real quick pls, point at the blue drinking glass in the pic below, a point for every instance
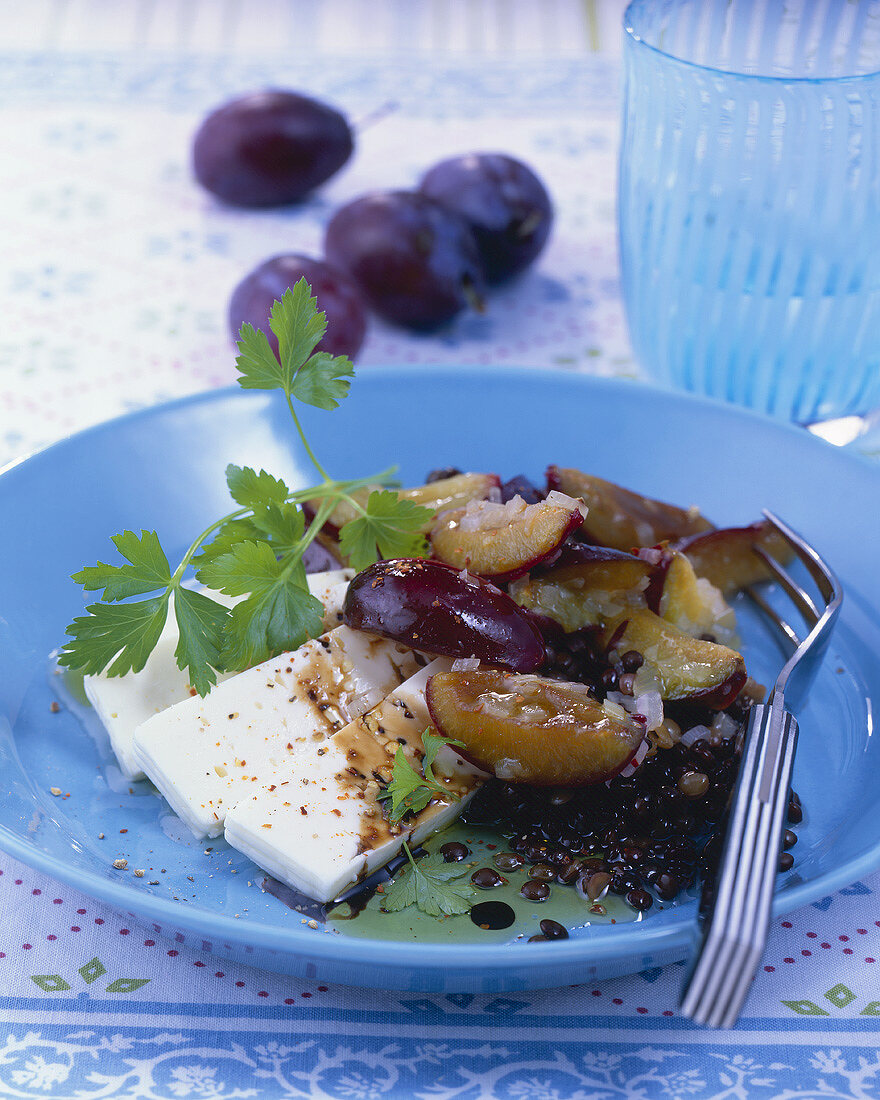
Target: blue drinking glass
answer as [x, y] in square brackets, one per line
[749, 200]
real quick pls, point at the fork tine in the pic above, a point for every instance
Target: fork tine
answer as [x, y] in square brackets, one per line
[825, 580]
[784, 627]
[798, 596]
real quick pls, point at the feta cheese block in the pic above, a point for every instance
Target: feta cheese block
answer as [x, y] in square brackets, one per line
[123, 702]
[206, 754]
[318, 825]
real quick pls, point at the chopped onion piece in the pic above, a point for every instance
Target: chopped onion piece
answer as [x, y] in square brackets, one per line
[647, 705]
[695, 733]
[465, 664]
[632, 766]
[562, 500]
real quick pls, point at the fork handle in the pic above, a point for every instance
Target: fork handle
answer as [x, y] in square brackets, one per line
[736, 908]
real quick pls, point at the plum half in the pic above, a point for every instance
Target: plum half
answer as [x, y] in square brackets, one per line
[439, 610]
[727, 558]
[623, 519]
[587, 586]
[503, 541]
[529, 729]
[693, 604]
[676, 664]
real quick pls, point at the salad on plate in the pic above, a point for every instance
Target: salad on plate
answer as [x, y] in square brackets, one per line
[332, 675]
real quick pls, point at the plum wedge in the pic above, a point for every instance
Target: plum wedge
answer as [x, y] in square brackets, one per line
[726, 556]
[679, 666]
[586, 587]
[528, 729]
[503, 541]
[439, 610]
[623, 519]
[691, 603]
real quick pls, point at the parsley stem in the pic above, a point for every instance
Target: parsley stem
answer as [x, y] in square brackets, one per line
[321, 516]
[197, 542]
[302, 435]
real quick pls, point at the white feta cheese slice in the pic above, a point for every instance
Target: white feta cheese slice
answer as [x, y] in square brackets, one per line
[206, 754]
[317, 825]
[123, 702]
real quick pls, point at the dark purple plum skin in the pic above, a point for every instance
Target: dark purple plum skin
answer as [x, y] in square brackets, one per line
[520, 485]
[415, 262]
[270, 148]
[337, 296]
[504, 202]
[431, 607]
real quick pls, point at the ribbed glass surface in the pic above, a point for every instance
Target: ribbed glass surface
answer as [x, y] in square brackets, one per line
[750, 200]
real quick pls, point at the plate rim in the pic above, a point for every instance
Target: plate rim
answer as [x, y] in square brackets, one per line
[596, 943]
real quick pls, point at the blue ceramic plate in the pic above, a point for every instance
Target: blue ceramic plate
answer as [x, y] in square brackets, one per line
[163, 469]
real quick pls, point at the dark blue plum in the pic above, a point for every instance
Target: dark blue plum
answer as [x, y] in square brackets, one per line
[504, 202]
[337, 296]
[415, 262]
[270, 148]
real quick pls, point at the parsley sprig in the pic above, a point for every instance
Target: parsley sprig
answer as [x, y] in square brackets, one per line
[411, 792]
[254, 553]
[430, 887]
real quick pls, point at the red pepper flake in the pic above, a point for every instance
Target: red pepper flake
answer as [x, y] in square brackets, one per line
[304, 811]
[54, 707]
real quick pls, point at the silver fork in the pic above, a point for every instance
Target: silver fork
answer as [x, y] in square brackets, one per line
[735, 911]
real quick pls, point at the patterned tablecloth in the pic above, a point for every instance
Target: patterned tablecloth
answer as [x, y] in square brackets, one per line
[115, 270]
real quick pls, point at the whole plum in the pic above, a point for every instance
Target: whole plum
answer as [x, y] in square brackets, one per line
[415, 261]
[504, 202]
[337, 296]
[270, 148]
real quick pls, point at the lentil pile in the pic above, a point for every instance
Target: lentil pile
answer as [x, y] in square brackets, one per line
[646, 836]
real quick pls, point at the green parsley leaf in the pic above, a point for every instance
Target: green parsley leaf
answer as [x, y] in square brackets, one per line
[299, 326]
[200, 622]
[147, 570]
[282, 525]
[126, 631]
[428, 887]
[254, 490]
[246, 567]
[323, 380]
[230, 534]
[279, 614]
[257, 362]
[433, 743]
[410, 792]
[390, 528]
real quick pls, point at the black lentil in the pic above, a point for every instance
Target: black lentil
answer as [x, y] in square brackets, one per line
[507, 861]
[486, 878]
[533, 890]
[454, 852]
[542, 872]
[553, 930]
[640, 900]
